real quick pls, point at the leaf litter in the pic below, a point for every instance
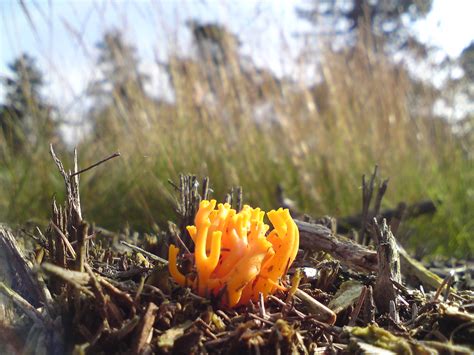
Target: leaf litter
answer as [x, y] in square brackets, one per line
[77, 288]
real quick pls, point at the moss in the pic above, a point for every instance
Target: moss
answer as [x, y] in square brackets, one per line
[382, 338]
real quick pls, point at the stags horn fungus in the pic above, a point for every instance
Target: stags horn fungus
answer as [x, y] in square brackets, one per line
[234, 256]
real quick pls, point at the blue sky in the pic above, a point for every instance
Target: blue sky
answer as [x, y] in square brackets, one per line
[62, 34]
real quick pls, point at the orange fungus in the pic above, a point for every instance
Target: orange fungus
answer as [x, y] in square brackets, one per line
[234, 256]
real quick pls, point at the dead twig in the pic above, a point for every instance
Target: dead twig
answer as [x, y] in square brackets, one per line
[367, 191]
[378, 199]
[261, 306]
[360, 302]
[66, 242]
[398, 217]
[74, 278]
[393, 312]
[345, 224]
[145, 327]
[318, 237]
[144, 252]
[316, 308]
[115, 155]
[446, 282]
[240, 199]
[173, 228]
[369, 307]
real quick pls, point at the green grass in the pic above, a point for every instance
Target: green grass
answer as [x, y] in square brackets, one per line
[318, 147]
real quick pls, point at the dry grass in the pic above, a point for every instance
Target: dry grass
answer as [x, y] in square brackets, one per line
[316, 142]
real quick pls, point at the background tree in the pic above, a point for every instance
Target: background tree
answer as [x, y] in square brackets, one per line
[467, 62]
[119, 66]
[25, 117]
[465, 86]
[372, 21]
[215, 43]
[119, 93]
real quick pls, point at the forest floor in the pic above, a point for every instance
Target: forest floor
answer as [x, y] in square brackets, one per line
[77, 288]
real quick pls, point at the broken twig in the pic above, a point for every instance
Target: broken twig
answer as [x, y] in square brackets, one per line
[144, 252]
[115, 155]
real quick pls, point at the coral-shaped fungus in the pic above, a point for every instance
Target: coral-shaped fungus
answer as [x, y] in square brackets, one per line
[234, 258]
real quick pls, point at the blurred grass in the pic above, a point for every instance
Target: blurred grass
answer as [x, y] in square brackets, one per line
[317, 144]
